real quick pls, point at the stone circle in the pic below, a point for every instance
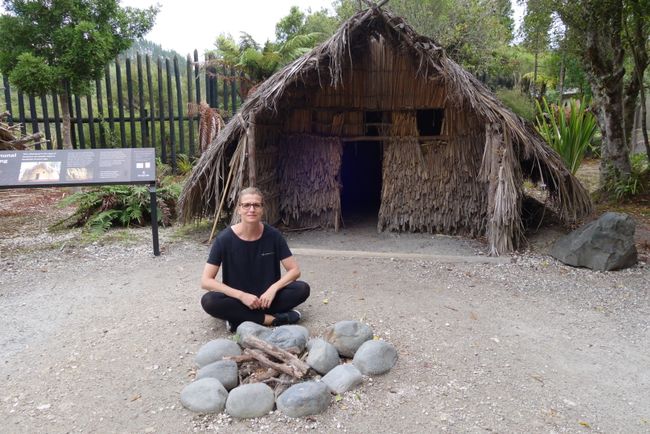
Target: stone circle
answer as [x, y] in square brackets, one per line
[209, 393]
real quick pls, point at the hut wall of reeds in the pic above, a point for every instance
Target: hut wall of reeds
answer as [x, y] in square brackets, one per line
[452, 157]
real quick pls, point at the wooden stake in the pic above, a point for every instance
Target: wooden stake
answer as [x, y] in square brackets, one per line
[223, 198]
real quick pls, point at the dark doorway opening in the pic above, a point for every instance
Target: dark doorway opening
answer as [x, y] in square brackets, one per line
[361, 182]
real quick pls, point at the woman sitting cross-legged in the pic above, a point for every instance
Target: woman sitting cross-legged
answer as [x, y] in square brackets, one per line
[249, 254]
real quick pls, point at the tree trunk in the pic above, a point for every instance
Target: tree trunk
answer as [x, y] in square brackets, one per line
[65, 111]
[561, 80]
[615, 159]
[637, 35]
[631, 94]
[644, 124]
[604, 56]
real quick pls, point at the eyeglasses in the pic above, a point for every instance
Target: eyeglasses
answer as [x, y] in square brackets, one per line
[254, 205]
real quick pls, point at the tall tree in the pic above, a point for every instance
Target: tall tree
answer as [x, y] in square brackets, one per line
[61, 45]
[535, 31]
[636, 38]
[599, 24]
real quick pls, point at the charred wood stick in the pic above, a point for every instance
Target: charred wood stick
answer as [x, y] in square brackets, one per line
[240, 359]
[278, 381]
[264, 361]
[277, 352]
[270, 374]
[283, 384]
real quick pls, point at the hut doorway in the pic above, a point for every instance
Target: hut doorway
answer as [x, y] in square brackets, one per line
[361, 182]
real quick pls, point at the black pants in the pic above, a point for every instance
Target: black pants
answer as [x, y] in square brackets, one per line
[223, 307]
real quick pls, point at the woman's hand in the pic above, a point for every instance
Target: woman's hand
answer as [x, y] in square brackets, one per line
[267, 298]
[251, 301]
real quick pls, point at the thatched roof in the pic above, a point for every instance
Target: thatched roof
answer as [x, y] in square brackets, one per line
[325, 66]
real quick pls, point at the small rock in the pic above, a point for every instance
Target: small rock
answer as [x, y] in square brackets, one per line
[304, 399]
[342, 378]
[223, 370]
[347, 336]
[323, 357]
[375, 357]
[250, 400]
[216, 350]
[206, 395]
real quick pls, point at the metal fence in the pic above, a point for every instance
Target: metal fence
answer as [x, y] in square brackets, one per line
[139, 102]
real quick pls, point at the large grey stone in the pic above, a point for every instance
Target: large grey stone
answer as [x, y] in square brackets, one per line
[347, 336]
[289, 336]
[223, 370]
[250, 400]
[216, 350]
[343, 378]
[206, 395]
[303, 399]
[375, 357]
[322, 356]
[251, 328]
[604, 244]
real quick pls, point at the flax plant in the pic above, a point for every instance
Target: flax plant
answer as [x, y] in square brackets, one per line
[568, 130]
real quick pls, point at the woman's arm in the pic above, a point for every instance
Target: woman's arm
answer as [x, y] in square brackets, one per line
[292, 274]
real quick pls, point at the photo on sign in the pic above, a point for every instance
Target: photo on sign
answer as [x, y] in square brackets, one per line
[39, 172]
[78, 173]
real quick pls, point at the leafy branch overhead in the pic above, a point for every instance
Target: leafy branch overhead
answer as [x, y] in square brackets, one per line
[61, 45]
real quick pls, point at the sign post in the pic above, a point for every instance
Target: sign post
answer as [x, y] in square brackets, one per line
[82, 167]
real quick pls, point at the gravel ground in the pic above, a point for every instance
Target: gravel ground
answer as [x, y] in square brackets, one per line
[100, 337]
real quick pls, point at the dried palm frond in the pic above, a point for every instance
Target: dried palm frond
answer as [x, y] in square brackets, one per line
[210, 123]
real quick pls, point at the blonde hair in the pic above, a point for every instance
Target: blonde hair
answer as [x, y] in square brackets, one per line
[250, 190]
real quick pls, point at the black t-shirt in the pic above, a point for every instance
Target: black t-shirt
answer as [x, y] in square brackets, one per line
[250, 266]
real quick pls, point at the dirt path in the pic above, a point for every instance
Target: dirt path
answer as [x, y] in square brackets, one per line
[101, 337]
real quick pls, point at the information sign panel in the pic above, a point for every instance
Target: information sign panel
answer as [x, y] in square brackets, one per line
[77, 167]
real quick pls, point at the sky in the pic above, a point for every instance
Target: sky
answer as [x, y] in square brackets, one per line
[185, 25]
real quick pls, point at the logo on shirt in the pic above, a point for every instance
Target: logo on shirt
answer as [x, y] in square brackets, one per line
[267, 254]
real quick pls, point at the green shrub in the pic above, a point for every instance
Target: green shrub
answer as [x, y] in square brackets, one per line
[638, 181]
[568, 130]
[517, 102]
[183, 164]
[100, 208]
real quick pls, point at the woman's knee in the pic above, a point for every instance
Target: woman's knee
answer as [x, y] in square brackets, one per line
[211, 302]
[303, 289]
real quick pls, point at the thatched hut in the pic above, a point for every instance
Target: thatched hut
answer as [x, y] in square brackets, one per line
[379, 116]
